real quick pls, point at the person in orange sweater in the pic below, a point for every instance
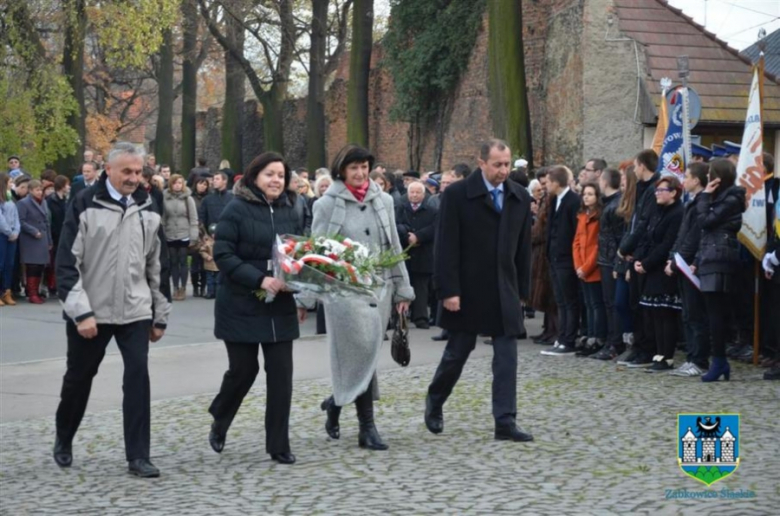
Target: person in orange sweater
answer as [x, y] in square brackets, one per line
[585, 251]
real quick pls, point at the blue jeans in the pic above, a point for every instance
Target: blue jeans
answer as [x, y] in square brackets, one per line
[623, 304]
[594, 305]
[7, 257]
[211, 282]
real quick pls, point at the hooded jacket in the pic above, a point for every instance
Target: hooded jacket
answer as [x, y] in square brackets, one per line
[180, 218]
[108, 260]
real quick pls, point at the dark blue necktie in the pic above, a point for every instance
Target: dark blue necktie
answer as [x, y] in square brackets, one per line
[495, 193]
[123, 202]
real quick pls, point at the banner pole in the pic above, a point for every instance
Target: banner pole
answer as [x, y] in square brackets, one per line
[756, 315]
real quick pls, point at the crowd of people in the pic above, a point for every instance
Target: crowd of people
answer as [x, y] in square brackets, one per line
[624, 264]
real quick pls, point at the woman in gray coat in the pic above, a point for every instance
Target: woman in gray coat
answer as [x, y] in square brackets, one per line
[35, 240]
[180, 221]
[356, 208]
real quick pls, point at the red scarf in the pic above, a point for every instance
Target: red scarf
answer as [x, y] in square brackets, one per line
[359, 192]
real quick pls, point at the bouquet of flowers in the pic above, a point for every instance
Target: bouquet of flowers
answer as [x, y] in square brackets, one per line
[329, 266]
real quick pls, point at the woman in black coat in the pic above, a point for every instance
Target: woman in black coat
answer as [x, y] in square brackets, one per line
[717, 262]
[261, 209]
[661, 299]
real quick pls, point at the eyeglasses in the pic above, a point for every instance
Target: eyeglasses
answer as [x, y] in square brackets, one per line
[664, 190]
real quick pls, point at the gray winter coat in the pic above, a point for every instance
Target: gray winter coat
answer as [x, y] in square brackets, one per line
[180, 220]
[356, 326]
[34, 219]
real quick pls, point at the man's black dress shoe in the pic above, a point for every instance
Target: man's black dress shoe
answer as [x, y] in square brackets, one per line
[142, 468]
[63, 453]
[216, 440]
[422, 324]
[512, 433]
[283, 458]
[434, 419]
[441, 337]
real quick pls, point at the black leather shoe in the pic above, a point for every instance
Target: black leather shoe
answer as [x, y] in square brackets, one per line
[441, 337]
[512, 433]
[434, 419]
[216, 440]
[63, 453]
[283, 458]
[332, 422]
[369, 438]
[522, 336]
[422, 324]
[142, 468]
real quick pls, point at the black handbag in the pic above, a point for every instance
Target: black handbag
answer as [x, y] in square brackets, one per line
[400, 345]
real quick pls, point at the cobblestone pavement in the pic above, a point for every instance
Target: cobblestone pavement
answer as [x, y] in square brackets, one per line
[605, 444]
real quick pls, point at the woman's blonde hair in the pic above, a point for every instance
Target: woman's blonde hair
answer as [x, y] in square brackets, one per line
[172, 181]
[319, 182]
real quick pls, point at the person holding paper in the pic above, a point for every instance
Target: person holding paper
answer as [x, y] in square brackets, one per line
[695, 323]
[717, 262]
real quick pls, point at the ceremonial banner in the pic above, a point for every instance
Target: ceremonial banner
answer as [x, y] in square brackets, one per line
[750, 175]
[672, 157]
[663, 123]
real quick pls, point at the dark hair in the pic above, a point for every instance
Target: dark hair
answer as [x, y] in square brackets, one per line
[48, 175]
[494, 143]
[147, 173]
[519, 176]
[390, 179]
[628, 199]
[3, 187]
[673, 183]
[724, 170]
[598, 164]
[221, 174]
[699, 170]
[559, 174]
[60, 182]
[164, 166]
[347, 155]
[260, 163]
[769, 163]
[462, 170]
[378, 175]
[611, 177]
[599, 204]
[648, 158]
[202, 162]
[541, 172]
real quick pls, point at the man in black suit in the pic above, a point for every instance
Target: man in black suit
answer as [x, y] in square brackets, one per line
[416, 222]
[562, 226]
[89, 177]
[482, 271]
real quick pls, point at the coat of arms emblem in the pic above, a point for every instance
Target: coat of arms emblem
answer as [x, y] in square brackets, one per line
[708, 445]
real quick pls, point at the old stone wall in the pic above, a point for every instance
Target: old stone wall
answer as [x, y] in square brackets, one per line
[611, 127]
[581, 88]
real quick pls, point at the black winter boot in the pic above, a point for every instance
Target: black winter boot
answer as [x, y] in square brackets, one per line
[368, 437]
[196, 292]
[332, 422]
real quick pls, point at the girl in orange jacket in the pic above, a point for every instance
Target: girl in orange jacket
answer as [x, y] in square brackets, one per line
[585, 251]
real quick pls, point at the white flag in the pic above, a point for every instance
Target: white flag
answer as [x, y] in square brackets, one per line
[750, 176]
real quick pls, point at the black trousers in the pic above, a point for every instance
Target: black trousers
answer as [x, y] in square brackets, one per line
[661, 329]
[695, 324]
[636, 285]
[84, 357]
[420, 283]
[242, 371]
[566, 291]
[719, 306]
[608, 285]
[457, 351]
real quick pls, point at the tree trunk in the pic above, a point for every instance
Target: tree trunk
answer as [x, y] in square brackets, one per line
[73, 68]
[359, 68]
[189, 85]
[315, 108]
[508, 92]
[163, 140]
[235, 90]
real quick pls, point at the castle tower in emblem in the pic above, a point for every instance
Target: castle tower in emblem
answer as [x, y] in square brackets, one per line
[727, 446]
[709, 446]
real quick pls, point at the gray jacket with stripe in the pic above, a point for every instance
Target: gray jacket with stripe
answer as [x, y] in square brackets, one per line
[108, 260]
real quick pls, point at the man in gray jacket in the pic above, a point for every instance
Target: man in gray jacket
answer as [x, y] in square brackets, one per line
[108, 280]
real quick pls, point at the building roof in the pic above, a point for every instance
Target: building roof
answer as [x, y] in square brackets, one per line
[771, 53]
[689, 435]
[718, 73]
